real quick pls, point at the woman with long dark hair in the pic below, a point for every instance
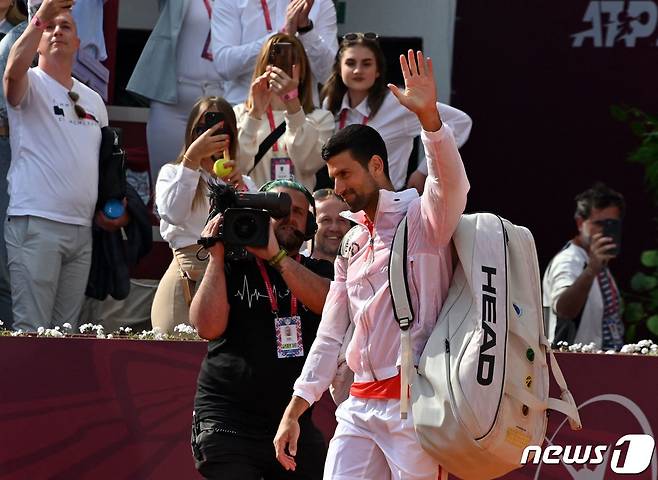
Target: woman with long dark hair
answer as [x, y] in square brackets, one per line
[278, 97]
[181, 198]
[357, 92]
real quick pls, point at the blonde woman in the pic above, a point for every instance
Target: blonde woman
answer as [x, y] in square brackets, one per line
[181, 196]
[275, 97]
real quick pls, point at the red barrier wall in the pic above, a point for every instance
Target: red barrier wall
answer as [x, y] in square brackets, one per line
[95, 409]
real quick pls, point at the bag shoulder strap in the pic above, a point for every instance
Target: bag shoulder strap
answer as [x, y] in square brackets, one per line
[397, 277]
[402, 310]
[267, 143]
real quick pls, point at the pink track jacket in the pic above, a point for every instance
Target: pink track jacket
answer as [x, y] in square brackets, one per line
[360, 288]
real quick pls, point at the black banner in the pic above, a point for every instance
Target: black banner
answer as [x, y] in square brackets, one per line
[539, 78]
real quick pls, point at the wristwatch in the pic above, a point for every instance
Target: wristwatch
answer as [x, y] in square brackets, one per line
[37, 23]
[307, 28]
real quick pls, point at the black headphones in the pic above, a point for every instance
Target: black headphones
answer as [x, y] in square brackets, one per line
[311, 224]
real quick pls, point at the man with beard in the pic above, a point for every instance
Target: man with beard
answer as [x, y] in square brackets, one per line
[581, 299]
[373, 439]
[260, 316]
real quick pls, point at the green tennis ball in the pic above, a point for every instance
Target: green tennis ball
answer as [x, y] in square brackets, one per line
[220, 169]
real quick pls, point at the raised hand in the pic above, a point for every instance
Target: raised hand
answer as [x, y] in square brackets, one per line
[234, 178]
[280, 82]
[292, 16]
[49, 9]
[206, 145]
[302, 18]
[599, 249]
[419, 94]
[261, 95]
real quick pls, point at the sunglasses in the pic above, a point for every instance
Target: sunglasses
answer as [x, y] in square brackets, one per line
[79, 110]
[350, 37]
[325, 193]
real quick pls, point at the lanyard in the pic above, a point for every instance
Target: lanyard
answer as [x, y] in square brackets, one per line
[614, 293]
[208, 7]
[266, 14]
[343, 119]
[207, 53]
[270, 291]
[270, 118]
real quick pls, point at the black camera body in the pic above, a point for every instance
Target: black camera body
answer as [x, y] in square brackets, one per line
[245, 227]
[247, 216]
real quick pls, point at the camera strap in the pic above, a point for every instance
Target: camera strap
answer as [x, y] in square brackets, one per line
[267, 143]
[270, 291]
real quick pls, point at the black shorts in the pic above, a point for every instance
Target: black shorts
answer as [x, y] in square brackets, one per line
[228, 456]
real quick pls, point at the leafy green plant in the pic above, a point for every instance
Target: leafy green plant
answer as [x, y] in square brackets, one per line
[642, 302]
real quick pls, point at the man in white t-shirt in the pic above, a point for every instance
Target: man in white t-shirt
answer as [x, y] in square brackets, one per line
[581, 298]
[240, 27]
[55, 134]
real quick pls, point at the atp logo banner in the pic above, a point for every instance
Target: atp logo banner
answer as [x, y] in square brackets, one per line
[619, 23]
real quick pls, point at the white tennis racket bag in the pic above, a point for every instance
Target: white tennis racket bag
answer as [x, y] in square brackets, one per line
[480, 394]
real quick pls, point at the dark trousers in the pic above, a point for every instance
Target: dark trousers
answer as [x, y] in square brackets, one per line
[228, 456]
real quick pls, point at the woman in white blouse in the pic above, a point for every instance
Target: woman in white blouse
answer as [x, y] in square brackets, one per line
[357, 92]
[276, 97]
[181, 197]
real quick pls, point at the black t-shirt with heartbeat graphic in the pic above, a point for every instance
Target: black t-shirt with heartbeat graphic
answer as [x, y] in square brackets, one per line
[242, 383]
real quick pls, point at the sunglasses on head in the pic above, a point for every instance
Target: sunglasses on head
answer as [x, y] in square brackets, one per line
[324, 193]
[350, 37]
[79, 110]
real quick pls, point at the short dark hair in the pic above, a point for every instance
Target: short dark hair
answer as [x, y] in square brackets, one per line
[361, 141]
[598, 196]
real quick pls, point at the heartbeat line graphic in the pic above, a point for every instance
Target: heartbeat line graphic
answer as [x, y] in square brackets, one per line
[253, 297]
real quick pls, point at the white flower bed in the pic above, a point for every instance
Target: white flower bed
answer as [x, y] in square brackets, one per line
[181, 332]
[643, 347]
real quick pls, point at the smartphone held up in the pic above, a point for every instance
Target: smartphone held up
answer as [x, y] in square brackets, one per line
[282, 55]
[612, 228]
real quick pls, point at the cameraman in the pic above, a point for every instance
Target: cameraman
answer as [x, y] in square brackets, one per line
[248, 309]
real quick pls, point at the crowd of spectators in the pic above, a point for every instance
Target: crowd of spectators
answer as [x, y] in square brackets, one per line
[209, 59]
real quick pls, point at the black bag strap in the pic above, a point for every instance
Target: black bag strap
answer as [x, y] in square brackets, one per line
[267, 143]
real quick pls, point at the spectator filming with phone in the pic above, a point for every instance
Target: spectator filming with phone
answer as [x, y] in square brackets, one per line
[240, 28]
[581, 299]
[55, 126]
[280, 131]
[181, 197]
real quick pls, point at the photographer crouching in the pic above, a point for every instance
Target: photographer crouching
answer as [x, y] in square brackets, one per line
[260, 313]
